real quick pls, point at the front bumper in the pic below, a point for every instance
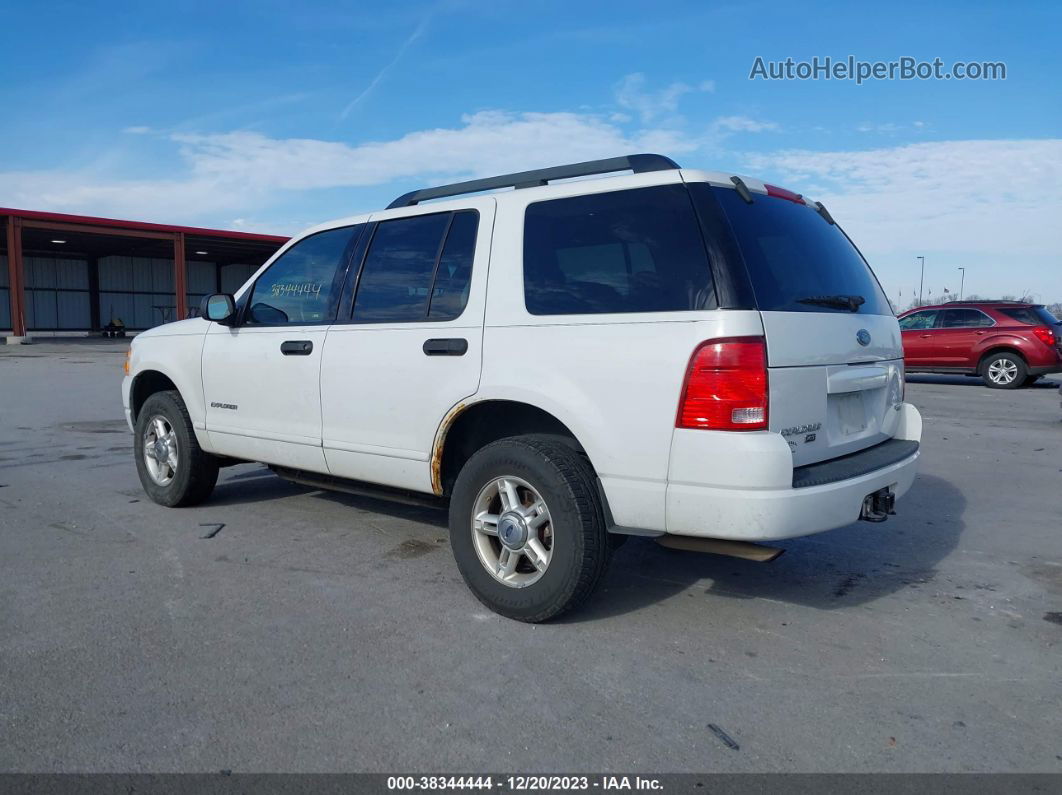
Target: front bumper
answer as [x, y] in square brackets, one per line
[750, 495]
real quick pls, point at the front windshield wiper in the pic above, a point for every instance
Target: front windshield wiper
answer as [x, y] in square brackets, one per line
[849, 302]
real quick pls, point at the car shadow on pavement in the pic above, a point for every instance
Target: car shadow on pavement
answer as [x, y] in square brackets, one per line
[260, 485]
[849, 566]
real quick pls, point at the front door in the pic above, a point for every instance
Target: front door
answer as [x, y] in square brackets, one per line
[261, 378]
[411, 349]
[919, 344]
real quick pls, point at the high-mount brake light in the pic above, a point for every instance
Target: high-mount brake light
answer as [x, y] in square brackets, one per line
[782, 193]
[726, 386]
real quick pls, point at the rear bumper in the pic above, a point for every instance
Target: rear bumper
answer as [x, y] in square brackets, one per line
[753, 497]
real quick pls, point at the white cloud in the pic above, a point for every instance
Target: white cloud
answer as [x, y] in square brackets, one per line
[992, 203]
[990, 195]
[734, 124]
[136, 129]
[237, 173]
[631, 93]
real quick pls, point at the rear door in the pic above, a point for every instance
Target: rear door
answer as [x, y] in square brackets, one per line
[960, 332]
[411, 349]
[918, 331]
[834, 354]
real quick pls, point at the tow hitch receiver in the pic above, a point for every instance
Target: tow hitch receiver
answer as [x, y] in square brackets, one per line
[879, 506]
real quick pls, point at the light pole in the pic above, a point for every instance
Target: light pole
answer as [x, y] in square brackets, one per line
[962, 281]
[921, 279]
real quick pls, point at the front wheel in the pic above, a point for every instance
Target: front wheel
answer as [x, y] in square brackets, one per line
[527, 528]
[173, 469]
[1004, 371]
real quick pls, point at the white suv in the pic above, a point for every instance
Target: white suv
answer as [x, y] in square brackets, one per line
[673, 353]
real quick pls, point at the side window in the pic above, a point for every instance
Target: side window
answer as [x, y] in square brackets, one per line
[454, 274]
[417, 269]
[919, 321]
[965, 318]
[300, 287]
[636, 250]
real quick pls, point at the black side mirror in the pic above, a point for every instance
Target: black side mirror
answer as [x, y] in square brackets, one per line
[219, 308]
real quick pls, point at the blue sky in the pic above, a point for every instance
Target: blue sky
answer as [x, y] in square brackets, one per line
[272, 116]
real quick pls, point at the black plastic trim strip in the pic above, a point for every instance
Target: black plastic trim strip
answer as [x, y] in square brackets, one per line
[855, 464]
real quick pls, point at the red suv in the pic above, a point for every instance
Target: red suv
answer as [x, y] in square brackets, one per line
[1008, 343]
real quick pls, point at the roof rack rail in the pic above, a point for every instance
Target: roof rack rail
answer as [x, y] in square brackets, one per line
[531, 179]
[991, 301]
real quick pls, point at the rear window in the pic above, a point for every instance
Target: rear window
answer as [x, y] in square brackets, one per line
[634, 250]
[793, 254]
[965, 318]
[1029, 315]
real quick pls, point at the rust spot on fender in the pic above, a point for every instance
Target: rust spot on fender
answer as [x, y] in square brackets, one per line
[437, 452]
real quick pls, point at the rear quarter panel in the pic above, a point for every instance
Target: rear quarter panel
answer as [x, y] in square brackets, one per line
[613, 379]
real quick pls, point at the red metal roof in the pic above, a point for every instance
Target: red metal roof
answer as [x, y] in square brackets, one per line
[90, 220]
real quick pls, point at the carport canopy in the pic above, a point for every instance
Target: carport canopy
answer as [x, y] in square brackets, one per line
[65, 272]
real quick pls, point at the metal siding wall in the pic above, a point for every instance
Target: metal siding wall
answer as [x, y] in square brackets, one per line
[115, 306]
[233, 277]
[48, 306]
[146, 282]
[73, 310]
[202, 281]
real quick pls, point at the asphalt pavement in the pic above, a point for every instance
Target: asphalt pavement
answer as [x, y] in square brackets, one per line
[323, 632]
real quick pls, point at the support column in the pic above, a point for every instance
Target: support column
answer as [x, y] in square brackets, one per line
[180, 276]
[94, 293]
[16, 280]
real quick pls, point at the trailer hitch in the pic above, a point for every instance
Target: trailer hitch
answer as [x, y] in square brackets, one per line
[879, 506]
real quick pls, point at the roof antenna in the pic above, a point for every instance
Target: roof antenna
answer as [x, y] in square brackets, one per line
[742, 189]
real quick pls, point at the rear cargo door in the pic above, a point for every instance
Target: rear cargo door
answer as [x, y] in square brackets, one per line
[834, 351]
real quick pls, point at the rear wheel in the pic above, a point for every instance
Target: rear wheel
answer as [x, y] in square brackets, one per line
[1004, 371]
[174, 470]
[527, 528]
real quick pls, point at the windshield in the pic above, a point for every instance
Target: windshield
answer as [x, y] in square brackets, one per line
[797, 261]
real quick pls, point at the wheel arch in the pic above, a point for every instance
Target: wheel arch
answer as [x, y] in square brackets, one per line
[470, 425]
[997, 349]
[145, 384]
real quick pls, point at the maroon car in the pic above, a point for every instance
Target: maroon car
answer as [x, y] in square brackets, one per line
[1008, 343]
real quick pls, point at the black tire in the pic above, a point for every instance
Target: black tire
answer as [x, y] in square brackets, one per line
[1003, 362]
[581, 547]
[196, 472]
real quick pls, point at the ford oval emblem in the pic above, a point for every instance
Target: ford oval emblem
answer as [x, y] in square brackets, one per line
[863, 337]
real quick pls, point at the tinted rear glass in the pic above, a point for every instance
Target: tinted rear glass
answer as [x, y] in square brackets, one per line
[634, 250]
[792, 253]
[965, 318]
[1029, 315]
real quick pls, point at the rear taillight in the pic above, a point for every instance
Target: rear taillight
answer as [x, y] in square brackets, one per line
[1045, 335]
[726, 386]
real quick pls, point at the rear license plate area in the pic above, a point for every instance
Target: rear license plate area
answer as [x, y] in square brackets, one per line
[851, 414]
